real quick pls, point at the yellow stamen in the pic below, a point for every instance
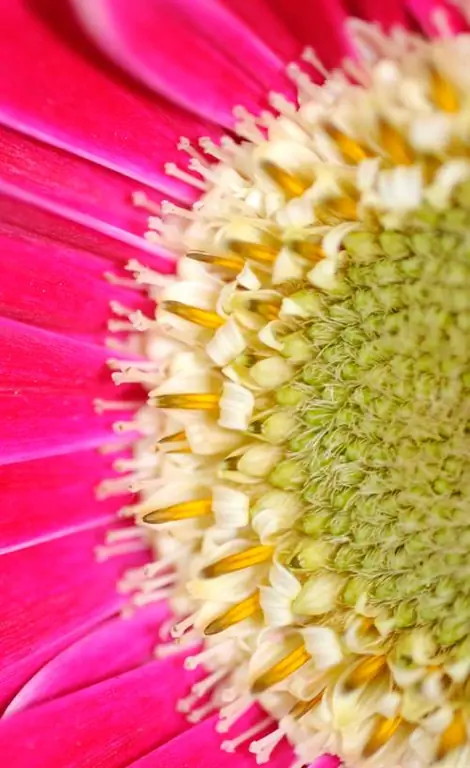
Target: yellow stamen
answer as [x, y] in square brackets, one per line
[302, 707]
[454, 736]
[204, 401]
[351, 150]
[443, 93]
[308, 250]
[183, 511]
[282, 669]
[245, 559]
[176, 437]
[265, 253]
[344, 208]
[225, 261]
[292, 185]
[366, 671]
[383, 732]
[175, 443]
[202, 317]
[395, 145]
[234, 615]
[267, 309]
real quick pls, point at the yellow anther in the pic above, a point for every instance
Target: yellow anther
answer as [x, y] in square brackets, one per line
[218, 260]
[454, 736]
[202, 317]
[268, 309]
[395, 144]
[366, 671]
[175, 443]
[204, 401]
[308, 250]
[302, 707]
[444, 95]
[384, 729]
[184, 511]
[282, 669]
[343, 208]
[293, 185]
[252, 556]
[351, 150]
[239, 612]
[263, 252]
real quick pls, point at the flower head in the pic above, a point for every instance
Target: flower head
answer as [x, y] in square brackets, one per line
[301, 460]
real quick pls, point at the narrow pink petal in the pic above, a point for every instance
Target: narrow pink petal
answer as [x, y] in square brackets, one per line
[70, 99]
[426, 13]
[108, 725]
[61, 177]
[319, 24]
[50, 592]
[202, 57]
[115, 646]
[62, 284]
[389, 14]
[261, 17]
[46, 498]
[201, 748]
[55, 220]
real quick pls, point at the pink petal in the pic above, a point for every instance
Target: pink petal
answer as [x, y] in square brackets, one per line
[261, 17]
[27, 211]
[62, 284]
[319, 24]
[64, 179]
[48, 383]
[70, 99]
[426, 12]
[388, 14]
[116, 646]
[47, 498]
[51, 593]
[107, 725]
[200, 747]
[202, 57]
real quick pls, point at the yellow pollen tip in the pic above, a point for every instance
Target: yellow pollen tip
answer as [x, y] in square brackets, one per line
[202, 317]
[282, 669]
[351, 150]
[302, 707]
[175, 443]
[239, 561]
[443, 93]
[454, 736]
[366, 671]
[183, 511]
[395, 145]
[204, 401]
[291, 184]
[255, 251]
[267, 309]
[225, 262]
[310, 251]
[384, 730]
[343, 208]
[234, 615]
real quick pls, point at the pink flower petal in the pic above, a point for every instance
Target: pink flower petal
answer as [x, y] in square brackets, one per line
[427, 13]
[54, 220]
[47, 498]
[51, 593]
[115, 646]
[201, 748]
[319, 24]
[388, 14]
[58, 90]
[202, 57]
[107, 725]
[62, 178]
[62, 284]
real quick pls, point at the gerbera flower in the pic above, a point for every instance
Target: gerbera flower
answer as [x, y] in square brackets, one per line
[301, 462]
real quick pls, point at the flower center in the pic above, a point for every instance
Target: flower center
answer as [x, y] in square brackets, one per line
[312, 474]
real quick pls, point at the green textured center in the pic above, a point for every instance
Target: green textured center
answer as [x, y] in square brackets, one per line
[382, 448]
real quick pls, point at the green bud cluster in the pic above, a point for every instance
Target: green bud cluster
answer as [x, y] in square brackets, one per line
[381, 451]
